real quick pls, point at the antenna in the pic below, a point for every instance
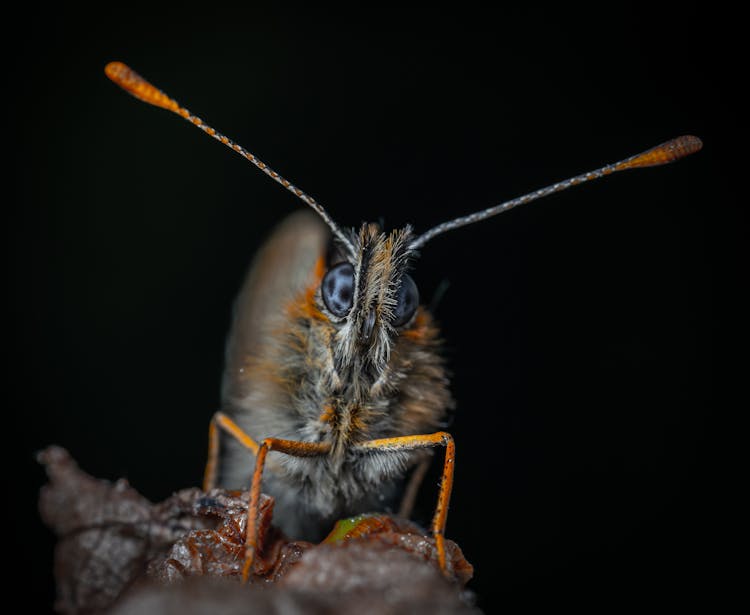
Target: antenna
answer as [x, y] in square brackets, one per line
[665, 153]
[134, 84]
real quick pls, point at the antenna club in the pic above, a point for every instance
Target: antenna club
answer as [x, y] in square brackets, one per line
[134, 84]
[670, 151]
[665, 153]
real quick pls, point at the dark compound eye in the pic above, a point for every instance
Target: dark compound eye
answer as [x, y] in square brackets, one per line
[338, 289]
[408, 300]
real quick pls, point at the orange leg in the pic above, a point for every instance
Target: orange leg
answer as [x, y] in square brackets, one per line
[224, 422]
[290, 447]
[410, 443]
[314, 449]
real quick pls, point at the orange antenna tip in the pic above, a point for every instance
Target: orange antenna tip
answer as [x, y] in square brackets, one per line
[665, 153]
[134, 84]
[671, 151]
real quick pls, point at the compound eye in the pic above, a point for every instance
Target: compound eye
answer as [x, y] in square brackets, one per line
[408, 300]
[338, 289]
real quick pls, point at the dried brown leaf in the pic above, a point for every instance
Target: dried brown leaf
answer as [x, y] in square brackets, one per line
[116, 548]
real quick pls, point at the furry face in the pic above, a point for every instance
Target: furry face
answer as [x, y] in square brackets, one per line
[362, 345]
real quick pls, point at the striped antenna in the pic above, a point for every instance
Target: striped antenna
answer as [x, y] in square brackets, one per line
[134, 84]
[661, 154]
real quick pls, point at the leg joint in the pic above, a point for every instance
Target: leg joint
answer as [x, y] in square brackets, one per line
[445, 438]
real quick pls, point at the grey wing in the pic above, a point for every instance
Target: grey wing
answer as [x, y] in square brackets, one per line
[281, 270]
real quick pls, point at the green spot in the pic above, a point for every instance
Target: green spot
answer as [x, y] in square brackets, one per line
[343, 527]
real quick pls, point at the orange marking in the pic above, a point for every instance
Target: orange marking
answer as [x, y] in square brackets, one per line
[327, 415]
[359, 423]
[419, 331]
[307, 307]
[320, 269]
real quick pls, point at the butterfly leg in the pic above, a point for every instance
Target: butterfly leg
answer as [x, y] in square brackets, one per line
[222, 421]
[290, 447]
[412, 488]
[410, 443]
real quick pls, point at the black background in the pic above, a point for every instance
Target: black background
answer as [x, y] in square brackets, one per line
[586, 332]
